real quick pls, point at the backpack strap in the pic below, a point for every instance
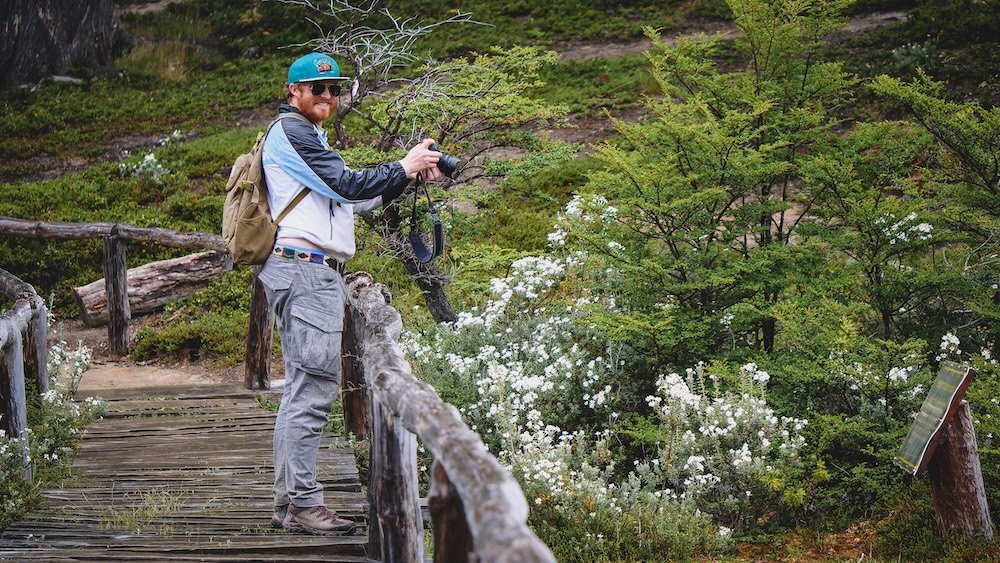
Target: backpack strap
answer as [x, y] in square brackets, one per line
[295, 201]
[305, 190]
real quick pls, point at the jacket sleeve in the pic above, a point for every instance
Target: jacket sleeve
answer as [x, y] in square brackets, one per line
[366, 207]
[298, 149]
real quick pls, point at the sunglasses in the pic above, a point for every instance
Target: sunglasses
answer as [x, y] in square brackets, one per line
[318, 89]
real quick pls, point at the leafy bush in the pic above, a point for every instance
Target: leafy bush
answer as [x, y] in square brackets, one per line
[211, 323]
[55, 423]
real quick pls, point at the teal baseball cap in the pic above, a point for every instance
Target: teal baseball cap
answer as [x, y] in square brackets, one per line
[313, 67]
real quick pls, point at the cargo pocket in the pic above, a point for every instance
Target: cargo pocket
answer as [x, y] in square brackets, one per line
[316, 335]
[275, 275]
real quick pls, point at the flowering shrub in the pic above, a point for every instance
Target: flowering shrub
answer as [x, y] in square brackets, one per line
[526, 354]
[54, 424]
[543, 398]
[148, 168]
[728, 452]
[536, 379]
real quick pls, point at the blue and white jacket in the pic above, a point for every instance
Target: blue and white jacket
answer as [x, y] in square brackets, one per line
[297, 155]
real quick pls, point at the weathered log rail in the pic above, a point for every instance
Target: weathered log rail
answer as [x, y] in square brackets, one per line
[115, 236]
[478, 511]
[23, 357]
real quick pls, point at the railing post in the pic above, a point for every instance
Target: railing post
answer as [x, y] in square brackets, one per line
[36, 348]
[13, 403]
[116, 287]
[956, 477]
[396, 531]
[356, 394]
[258, 356]
[452, 537]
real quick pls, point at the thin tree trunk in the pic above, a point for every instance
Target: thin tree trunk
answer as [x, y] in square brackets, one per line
[428, 279]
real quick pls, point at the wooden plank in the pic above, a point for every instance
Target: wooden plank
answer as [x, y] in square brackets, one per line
[942, 400]
[169, 391]
[194, 476]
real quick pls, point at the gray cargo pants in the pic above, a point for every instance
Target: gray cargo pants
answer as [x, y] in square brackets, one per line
[308, 304]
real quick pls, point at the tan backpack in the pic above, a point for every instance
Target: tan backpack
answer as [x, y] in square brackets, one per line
[247, 228]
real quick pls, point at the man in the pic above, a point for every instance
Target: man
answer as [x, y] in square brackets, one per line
[302, 277]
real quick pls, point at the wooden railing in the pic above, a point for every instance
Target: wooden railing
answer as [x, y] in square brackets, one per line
[477, 509]
[23, 357]
[115, 236]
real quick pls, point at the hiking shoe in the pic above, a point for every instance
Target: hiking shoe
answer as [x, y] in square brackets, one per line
[278, 519]
[317, 520]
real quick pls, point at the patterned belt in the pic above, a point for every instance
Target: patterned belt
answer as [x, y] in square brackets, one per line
[313, 257]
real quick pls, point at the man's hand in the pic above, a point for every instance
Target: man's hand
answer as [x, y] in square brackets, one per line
[422, 160]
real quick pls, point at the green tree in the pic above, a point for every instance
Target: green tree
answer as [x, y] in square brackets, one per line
[709, 191]
[876, 215]
[965, 185]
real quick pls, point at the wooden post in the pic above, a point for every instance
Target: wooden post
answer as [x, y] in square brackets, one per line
[356, 393]
[116, 286]
[13, 404]
[452, 537]
[258, 357]
[396, 531]
[36, 348]
[957, 479]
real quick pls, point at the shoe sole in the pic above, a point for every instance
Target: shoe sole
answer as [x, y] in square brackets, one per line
[300, 529]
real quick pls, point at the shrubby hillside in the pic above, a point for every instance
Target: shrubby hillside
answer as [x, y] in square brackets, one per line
[700, 284]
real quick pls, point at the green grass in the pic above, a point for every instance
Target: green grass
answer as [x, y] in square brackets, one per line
[588, 87]
[85, 121]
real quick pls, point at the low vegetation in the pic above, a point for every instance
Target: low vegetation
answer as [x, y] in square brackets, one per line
[55, 421]
[703, 333]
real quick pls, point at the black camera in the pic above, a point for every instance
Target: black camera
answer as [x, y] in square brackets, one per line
[448, 163]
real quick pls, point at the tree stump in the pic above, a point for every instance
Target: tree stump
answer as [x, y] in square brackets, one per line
[957, 479]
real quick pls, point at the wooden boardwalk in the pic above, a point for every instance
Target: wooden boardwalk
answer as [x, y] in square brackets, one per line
[182, 475]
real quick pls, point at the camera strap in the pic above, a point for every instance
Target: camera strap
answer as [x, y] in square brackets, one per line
[420, 249]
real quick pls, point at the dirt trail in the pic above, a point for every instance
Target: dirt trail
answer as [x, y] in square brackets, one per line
[123, 373]
[578, 51]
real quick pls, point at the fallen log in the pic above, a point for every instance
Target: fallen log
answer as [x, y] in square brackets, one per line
[153, 285]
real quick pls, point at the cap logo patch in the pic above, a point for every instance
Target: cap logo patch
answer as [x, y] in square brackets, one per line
[323, 65]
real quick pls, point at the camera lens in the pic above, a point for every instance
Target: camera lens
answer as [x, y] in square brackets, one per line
[447, 164]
